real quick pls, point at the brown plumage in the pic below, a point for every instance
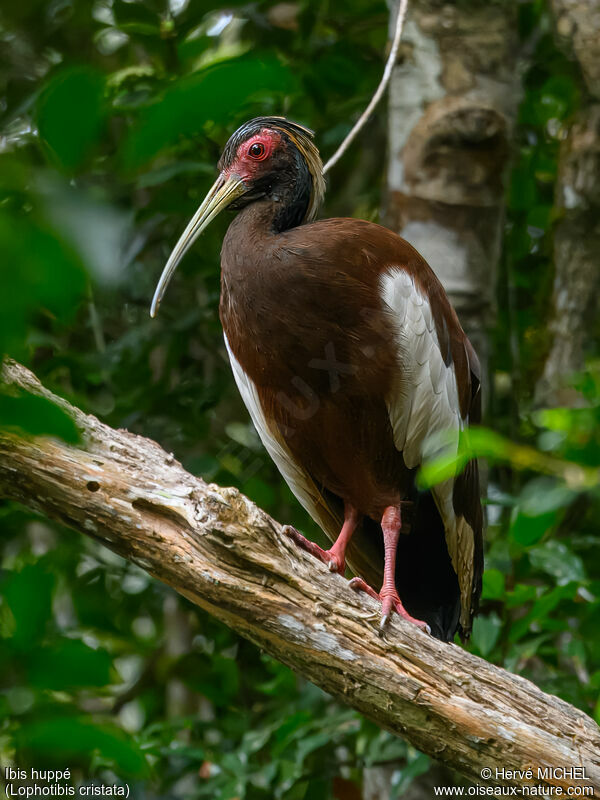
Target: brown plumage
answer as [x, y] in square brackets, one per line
[348, 355]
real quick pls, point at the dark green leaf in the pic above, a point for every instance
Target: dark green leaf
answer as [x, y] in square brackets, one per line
[69, 664]
[526, 530]
[71, 115]
[486, 631]
[554, 558]
[493, 585]
[216, 94]
[36, 416]
[69, 739]
[28, 594]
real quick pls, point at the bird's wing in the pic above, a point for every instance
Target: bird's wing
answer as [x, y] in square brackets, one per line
[424, 400]
[299, 481]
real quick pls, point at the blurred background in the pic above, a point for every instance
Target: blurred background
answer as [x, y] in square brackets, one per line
[486, 156]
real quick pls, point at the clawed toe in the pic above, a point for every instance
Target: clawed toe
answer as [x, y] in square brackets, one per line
[393, 603]
[333, 562]
[390, 602]
[334, 559]
[360, 585]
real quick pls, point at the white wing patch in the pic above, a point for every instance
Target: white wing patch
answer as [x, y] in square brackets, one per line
[424, 400]
[296, 478]
[425, 397]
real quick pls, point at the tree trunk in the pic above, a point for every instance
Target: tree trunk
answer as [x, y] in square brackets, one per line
[575, 303]
[224, 554]
[453, 102]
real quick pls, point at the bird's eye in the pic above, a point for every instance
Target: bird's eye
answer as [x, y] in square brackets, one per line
[257, 150]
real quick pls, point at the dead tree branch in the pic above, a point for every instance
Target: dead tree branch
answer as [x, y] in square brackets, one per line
[230, 558]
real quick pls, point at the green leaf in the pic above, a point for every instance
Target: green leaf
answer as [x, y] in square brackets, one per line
[557, 99]
[556, 559]
[175, 169]
[310, 743]
[544, 495]
[417, 764]
[493, 585]
[215, 94]
[521, 594]
[42, 272]
[556, 419]
[539, 217]
[259, 491]
[78, 739]
[70, 115]
[523, 191]
[385, 747]
[539, 615]
[291, 728]
[69, 664]
[255, 740]
[36, 416]
[218, 680]
[28, 594]
[317, 789]
[127, 13]
[527, 530]
[95, 230]
[440, 468]
[549, 600]
[486, 631]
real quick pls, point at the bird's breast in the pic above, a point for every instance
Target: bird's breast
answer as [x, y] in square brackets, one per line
[321, 355]
[307, 330]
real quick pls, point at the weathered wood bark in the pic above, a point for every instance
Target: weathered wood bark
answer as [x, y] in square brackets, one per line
[223, 553]
[574, 327]
[453, 100]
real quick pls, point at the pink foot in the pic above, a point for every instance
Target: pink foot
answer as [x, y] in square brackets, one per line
[329, 557]
[390, 601]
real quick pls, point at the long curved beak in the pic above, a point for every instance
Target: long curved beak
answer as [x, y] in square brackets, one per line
[222, 193]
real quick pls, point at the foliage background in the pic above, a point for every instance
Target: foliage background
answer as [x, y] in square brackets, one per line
[113, 116]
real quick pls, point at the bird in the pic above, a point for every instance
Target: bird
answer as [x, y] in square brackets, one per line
[349, 358]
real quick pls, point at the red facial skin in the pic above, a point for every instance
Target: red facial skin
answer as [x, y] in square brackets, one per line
[248, 166]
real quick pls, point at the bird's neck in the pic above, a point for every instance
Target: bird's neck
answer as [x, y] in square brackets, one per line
[261, 221]
[290, 204]
[249, 234]
[257, 226]
[289, 197]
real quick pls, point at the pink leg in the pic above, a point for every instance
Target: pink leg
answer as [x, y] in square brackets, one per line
[335, 557]
[391, 523]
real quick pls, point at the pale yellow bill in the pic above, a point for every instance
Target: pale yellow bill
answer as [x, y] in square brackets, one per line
[223, 192]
